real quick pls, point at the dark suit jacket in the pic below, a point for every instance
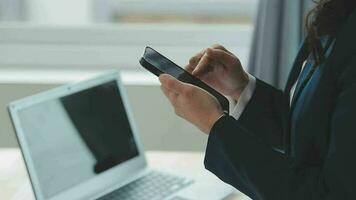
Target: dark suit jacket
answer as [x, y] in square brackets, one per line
[307, 151]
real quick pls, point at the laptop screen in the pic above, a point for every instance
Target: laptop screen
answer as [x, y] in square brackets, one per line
[76, 137]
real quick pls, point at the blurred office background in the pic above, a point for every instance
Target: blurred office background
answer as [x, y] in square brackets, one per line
[46, 43]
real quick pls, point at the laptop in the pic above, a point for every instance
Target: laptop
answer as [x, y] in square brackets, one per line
[80, 141]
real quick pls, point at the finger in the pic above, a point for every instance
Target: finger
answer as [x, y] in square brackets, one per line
[221, 56]
[189, 68]
[172, 97]
[218, 46]
[193, 62]
[171, 83]
[165, 91]
[195, 59]
[203, 66]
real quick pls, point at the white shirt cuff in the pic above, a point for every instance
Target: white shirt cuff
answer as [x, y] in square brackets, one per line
[237, 108]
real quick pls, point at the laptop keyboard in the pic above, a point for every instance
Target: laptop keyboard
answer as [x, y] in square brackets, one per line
[153, 186]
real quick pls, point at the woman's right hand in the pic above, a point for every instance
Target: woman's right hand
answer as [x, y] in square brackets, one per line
[220, 69]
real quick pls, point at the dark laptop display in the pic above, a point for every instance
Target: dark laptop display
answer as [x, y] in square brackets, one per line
[73, 138]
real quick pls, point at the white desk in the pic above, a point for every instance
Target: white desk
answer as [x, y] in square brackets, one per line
[15, 185]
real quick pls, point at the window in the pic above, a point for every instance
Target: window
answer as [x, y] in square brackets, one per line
[175, 11]
[102, 34]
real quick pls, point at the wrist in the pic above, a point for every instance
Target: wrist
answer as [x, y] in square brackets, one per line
[238, 91]
[213, 119]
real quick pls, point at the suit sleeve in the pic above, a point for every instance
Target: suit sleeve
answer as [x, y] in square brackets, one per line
[268, 108]
[239, 157]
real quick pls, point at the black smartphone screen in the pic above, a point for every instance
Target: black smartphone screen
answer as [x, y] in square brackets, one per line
[159, 64]
[162, 63]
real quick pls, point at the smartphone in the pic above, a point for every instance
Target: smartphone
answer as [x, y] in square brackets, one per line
[159, 64]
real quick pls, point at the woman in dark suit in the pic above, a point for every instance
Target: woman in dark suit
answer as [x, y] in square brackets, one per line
[299, 143]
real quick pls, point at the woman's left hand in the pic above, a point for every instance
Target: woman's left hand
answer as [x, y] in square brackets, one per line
[191, 103]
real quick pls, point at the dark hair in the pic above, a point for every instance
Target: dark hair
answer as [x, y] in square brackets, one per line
[326, 19]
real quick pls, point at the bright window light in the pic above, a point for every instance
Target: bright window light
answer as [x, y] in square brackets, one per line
[106, 34]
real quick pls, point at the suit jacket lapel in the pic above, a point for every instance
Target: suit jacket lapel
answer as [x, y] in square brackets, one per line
[308, 70]
[296, 68]
[293, 76]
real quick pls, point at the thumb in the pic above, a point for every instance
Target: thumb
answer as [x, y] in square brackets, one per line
[171, 83]
[221, 56]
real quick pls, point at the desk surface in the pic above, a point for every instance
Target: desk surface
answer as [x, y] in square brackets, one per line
[15, 185]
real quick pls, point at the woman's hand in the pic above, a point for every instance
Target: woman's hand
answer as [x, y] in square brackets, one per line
[191, 103]
[220, 69]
